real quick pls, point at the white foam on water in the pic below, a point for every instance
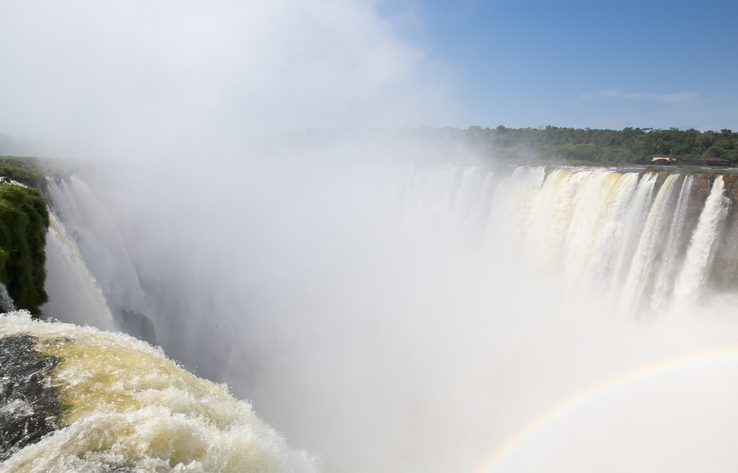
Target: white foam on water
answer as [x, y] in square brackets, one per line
[700, 253]
[125, 405]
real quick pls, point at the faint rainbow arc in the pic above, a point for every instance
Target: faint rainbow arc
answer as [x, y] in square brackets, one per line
[516, 442]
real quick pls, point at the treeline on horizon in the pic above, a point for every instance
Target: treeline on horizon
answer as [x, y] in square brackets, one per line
[597, 147]
[549, 145]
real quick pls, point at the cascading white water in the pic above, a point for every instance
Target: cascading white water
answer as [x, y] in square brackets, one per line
[6, 302]
[74, 295]
[96, 234]
[601, 228]
[648, 251]
[671, 256]
[701, 248]
[548, 219]
[129, 408]
[115, 287]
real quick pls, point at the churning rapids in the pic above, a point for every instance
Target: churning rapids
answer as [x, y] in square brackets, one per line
[409, 319]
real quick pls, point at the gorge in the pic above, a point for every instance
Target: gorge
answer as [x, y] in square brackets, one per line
[388, 316]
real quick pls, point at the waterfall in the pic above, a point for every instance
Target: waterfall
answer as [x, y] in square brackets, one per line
[96, 234]
[74, 295]
[602, 229]
[90, 238]
[671, 250]
[397, 318]
[700, 253]
[654, 234]
[6, 302]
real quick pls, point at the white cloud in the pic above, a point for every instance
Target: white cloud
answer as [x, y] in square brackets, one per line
[609, 93]
[176, 69]
[674, 99]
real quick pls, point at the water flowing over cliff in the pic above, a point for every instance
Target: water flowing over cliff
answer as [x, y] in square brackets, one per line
[72, 289]
[652, 237]
[126, 407]
[391, 318]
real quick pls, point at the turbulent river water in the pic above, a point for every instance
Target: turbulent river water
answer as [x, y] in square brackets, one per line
[388, 318]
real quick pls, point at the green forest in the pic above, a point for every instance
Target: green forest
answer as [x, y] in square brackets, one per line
[598, 147]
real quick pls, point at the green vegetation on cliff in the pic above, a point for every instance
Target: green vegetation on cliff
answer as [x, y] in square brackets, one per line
[24, 221]
[31, 172]
[598, 147]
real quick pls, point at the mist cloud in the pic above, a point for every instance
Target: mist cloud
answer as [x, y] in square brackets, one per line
[133, 76]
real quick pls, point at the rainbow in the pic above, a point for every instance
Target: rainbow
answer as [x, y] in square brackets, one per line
[559, 412]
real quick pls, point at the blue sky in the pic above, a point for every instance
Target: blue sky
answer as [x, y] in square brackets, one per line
[590, 64]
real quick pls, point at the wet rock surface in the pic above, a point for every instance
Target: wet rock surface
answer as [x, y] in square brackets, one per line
[29, 407]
